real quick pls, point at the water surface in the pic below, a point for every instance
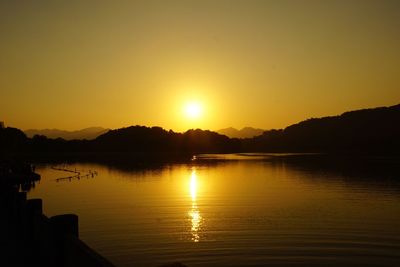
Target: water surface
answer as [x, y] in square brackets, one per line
[234, 210]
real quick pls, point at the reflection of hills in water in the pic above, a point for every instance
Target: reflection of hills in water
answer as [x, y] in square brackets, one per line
[367, 171]
[247, 156]
[370, 171]
[367, 165]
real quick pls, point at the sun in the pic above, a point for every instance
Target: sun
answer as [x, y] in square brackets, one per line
[193, 110]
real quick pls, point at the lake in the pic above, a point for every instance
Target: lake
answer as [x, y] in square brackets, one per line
[234, 210]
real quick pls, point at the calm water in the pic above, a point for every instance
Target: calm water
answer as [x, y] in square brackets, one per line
[235, 211]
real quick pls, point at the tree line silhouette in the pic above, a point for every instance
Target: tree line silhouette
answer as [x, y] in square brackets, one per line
[370, 130]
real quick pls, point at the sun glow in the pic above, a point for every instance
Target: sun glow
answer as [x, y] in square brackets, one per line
[193, 110]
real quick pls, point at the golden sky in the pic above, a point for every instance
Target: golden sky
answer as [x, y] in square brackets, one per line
[266, 64]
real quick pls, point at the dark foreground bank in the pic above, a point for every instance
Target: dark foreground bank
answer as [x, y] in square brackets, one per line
[29, 237]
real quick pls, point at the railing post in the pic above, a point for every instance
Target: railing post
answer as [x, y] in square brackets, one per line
[66, 224]
[63, 226]
[34, 210]
[20, 215]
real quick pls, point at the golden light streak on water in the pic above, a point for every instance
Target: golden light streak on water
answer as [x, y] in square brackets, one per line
[194, 212]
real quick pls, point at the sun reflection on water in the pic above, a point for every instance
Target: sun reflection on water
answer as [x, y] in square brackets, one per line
[194, 212]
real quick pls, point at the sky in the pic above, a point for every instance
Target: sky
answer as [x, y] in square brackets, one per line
[266, 64]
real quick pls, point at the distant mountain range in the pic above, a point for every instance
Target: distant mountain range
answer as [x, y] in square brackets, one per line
[87, 133]
[93, 132]
[246, 132]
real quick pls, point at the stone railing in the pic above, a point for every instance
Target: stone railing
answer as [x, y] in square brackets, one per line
[46, 241]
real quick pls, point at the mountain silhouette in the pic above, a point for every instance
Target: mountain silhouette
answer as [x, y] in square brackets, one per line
[87, 133]
[374, 130]
[246, 132]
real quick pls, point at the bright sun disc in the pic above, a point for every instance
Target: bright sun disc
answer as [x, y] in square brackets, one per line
[193, 110]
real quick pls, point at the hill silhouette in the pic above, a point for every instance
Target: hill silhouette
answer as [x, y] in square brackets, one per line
[156, 139]
[367, 130]
[87, 133]
[246, 132]
[363, 131]
[139, 140]
[12, 140]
